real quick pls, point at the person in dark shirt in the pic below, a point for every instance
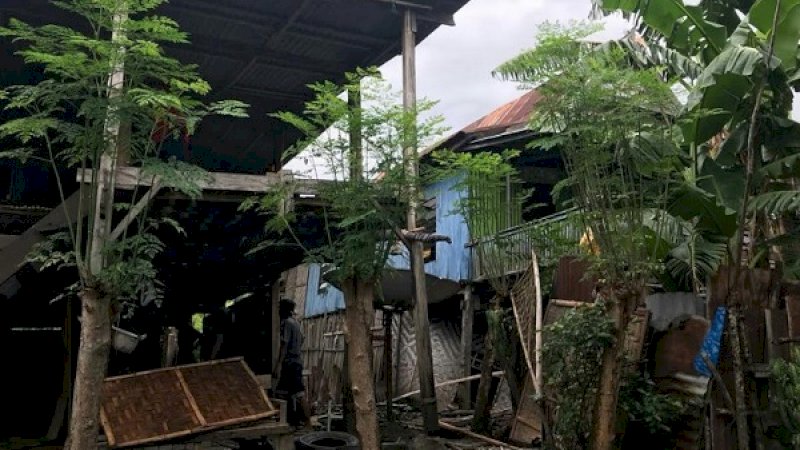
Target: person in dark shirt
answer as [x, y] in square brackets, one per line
[288, 370]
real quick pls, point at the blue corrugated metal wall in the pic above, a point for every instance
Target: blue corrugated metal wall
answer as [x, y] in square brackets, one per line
[321, 302]
[452, 260]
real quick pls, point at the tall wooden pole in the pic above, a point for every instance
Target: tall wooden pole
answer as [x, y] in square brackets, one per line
[467, 316]
[387, 361]
[421, 325]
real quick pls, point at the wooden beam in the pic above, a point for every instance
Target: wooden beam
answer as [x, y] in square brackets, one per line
[495, 374]
[127, 178]
[135, 211]
[13, 255]
[7, 239]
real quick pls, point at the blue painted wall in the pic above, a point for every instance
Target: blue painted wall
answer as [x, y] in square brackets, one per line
[452, 260]
[321, 302]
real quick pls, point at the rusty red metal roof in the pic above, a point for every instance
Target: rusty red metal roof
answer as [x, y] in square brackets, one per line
[516, 112]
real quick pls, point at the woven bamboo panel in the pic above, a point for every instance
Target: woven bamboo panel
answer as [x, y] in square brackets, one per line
[224, 392]
[168, 403]
[146, 406]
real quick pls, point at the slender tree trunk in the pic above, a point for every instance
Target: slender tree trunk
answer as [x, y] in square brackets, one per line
[483, 405]
[622, 303]
[92, 362]
[359, 317]
[605, 413]
[742, 426]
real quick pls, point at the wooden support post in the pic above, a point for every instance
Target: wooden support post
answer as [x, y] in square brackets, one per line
[170, 349]
[398, 350]
[538, 380]
[467, 318]
[275, 331]
[387, 354]
[421, 324]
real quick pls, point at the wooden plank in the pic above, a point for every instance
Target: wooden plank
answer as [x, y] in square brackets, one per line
[128, 178]
[275, 331]
[6, 240]
[135, 211]
[112, 441]
[526, 425]
[498, 373]
[13, 255]
[569, 303]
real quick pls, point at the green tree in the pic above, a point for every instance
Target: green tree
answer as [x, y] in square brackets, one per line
[736, 127]
[490, 202]
[107, 88]
[787, 381]
[613, 126]
[362, 185]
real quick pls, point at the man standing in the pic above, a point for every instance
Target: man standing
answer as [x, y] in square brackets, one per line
[288, 370]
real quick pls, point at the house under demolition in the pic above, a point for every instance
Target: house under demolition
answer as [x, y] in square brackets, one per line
[263, 53]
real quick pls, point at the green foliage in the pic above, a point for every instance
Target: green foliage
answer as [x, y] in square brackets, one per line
[657, 413]
[758, 56]
[484, 179]
[572, 353]
[615, 136]
[786, 375]
[490, 202]
[363, 183]
[71, 118]
[684, 27]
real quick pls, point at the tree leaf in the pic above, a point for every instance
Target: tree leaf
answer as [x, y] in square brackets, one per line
[698, 206]
[775, 202]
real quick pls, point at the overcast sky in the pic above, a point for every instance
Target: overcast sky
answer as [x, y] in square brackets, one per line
[454, 64]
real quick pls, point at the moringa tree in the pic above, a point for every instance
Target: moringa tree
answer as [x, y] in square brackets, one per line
[109, 92]
[363, 189]
[490, 202]
[613, 126]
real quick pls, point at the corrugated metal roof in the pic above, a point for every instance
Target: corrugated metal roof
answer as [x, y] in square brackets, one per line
[516, 112]
[509, 119]
[264, 53]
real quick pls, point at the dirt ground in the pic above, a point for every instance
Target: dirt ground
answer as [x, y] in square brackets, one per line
[406, 430]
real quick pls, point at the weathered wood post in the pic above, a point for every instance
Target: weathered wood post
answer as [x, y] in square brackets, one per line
[388, 313]
[467, 317]
[422, 330]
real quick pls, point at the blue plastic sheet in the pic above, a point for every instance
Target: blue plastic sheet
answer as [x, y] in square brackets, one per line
[711, 343]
